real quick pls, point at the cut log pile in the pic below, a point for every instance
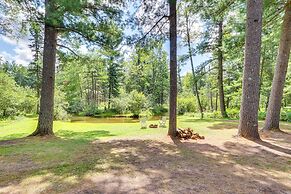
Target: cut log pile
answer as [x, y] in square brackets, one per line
[188, 133]
[153, 126]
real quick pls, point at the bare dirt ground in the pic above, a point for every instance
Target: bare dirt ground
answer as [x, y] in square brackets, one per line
[222, 164]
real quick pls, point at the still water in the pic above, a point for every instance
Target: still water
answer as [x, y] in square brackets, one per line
[79, 119]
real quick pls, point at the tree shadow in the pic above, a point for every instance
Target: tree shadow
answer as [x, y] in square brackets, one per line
[137, 166]
[224, 125]
[12, 137]
[198, 120]
[274, 147]
[88, 135]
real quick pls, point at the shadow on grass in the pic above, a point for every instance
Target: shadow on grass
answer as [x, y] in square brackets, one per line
[13, 137]
[197, 120]
[88, 135]
[285, 126]
[224, 125]
[137, 166]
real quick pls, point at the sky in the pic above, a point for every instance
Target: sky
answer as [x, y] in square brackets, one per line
[15, 50]
[19, 51]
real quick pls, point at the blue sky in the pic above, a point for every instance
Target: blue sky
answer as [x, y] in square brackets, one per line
[15, 50]
[197, 60]
[18, 51]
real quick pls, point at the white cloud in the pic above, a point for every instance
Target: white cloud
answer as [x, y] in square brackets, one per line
[21, 53]
[6, 56]
[83, 49]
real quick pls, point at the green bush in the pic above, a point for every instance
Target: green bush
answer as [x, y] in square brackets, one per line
[186, 104]
[27, 100]
[137, 102]
[159, 110]
[262, 115]
[233, 113]
[146, 113]
[285, 116]
[120, 104]
[60, 106]
[15, 100]
[215, 115]
[91, 110]
[288, 116]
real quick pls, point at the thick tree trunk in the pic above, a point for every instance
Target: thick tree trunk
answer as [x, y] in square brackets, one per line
[261, 75]
[220, 72]
[173, 69]
[46, 113]
[180, 79]
[195, 85]
[216, 101]
[211, 100]
[248, 125]
[274, 106]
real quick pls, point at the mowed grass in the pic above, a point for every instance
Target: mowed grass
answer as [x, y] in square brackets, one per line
[74, 140]
[91, 130]
[81, 148]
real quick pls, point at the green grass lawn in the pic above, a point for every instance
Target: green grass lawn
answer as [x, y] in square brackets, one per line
[73, 138]
[78, 148]
[90, 130]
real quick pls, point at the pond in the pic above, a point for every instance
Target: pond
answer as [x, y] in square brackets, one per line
[80, 119]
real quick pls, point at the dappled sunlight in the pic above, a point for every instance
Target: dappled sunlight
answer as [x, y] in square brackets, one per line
[104, 161]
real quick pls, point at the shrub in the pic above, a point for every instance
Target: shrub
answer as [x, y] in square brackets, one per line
[233, 113]
[60, 106]
[285, 116]
[262, 115]
[146, 113]
[91, 110]
[120, 104]
[215, 115]
[15, 100]
[186, 104]
[137, 102]
[27, 100]
[159, 110]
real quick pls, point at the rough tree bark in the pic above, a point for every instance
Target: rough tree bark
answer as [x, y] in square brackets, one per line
[220, 72]
[248, 125]
[275, 100]
[195, 86]
[45, 119]
[216, 101]
[173, 69]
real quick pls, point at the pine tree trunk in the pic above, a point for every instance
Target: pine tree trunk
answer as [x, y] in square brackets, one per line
[46, 113]
[261, 75]
[195, 86]
[173, 69]
[248, 125]
[220, 72]
[274, 106]
[216, 101]
[180, 79]
[211, 100]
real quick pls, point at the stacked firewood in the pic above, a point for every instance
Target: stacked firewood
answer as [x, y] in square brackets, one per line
[188, 133]
[153, 126]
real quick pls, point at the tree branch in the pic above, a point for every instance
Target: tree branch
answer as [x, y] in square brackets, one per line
[59, 45]
[153, 27]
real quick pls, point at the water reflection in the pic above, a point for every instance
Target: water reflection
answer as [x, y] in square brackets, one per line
[79, 119]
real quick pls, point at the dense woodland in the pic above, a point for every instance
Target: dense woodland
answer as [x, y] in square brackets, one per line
[125, 69]
[145, 96]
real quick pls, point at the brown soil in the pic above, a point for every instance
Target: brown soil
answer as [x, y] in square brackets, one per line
[215, 165]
